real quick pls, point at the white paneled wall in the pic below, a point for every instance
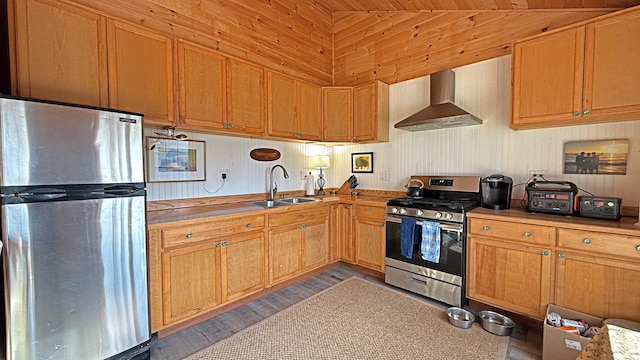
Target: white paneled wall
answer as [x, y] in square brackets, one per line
[484, 89]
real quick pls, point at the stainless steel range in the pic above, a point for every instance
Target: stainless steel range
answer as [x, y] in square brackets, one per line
[426, 238]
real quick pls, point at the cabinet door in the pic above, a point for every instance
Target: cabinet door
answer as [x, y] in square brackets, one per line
[315, 244]
[369, 239]
[511, 276]
[281, 106]
[547, 79]
[371, 112]
[309, 114]
[340, 223]
[337, 114]
[245, 98]
[285, 247]
[141, 72]
[190, 280]
[611, 69]
[242, 259]
[61, 53]
[202, 86]
[598, 286]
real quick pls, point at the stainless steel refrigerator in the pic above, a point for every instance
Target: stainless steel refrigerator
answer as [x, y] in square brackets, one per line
[73, 232]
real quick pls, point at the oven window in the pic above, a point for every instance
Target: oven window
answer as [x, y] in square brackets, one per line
[452, 248]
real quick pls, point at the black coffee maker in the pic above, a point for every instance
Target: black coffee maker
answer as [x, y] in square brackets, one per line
[496, 192]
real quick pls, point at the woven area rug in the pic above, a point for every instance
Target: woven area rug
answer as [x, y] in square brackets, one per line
[357, 319]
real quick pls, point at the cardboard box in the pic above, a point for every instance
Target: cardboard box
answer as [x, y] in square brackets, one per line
[561, 345]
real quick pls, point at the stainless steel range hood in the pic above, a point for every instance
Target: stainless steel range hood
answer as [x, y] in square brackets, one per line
[442, 113]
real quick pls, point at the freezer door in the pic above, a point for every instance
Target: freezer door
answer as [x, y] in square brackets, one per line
[44, 144]
[75, 278]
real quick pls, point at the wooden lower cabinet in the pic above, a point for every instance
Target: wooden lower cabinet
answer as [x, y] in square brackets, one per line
[298, 242]
[369, 232]
[242, 263]
[341, 225]
[512, 276]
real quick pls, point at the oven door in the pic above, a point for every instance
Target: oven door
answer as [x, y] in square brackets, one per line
[452, 246]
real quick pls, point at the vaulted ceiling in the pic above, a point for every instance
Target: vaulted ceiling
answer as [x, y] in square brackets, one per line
[470, 5]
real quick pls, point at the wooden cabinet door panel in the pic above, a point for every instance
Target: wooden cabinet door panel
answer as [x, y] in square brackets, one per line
[370, 248]
[337, 114]
[202, 87]
[309, 113]
[141, 72]
[547, 79]
[341, 239]
[513, 277]
[315, 245]
[285, 247]
[598, 286]
[245, 98]
[242, 270]
[281, 100]
[190, 279]
[61, 53]
[364, 103]
[612, 74]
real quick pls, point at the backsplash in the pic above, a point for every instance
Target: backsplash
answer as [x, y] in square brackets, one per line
[482, 88]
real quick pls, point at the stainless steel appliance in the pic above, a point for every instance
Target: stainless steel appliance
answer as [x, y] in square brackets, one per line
[446, 199]
[73, 227]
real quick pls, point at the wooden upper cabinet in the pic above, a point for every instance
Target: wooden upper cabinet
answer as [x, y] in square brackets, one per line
[337, 114]
[202, 87]
[245, 98]
[612, 74]
[547, 78]
[141, 72]
[61, 53]
[371, 112]
[294, 108]
[580, 75]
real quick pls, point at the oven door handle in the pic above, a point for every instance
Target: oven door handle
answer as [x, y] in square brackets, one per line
[447, 227]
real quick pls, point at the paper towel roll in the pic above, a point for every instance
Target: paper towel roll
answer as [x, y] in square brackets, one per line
[311, 188]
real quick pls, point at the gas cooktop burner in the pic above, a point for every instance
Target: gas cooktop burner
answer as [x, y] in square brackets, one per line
[435, 204]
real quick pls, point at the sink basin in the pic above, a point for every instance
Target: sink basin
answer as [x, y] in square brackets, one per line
[282, 202]
[296, 201]
[264, 203]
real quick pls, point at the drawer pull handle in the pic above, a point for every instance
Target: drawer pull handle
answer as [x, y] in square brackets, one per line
[545, 253]
[218, 244]
[418, 280]
[527, 234]
[485, 228]
[381, 224]
[349, 207]
[368, 209]
[587, 241]
[189, 235]
[576, 113]
[587, 112]
[638, 247]
[561, 255]
[249, 225]
[224, 243]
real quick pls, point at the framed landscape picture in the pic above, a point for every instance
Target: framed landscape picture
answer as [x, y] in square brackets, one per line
[596, 157]
[175, 160]
[362, 162]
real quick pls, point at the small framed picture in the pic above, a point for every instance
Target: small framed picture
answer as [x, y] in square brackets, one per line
[362, 162]
[607, 157]
[175, 160]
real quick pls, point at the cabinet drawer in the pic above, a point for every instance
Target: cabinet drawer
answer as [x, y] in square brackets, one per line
[298, 216]
[535, 234]
[603, 243]
[210, 230]
[370, 212]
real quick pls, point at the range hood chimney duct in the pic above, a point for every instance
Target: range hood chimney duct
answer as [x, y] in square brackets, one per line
[442, 113]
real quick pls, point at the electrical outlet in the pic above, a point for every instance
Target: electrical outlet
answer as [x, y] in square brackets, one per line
[384, 176]
[303, 174]
[537, 173]
[224, 176]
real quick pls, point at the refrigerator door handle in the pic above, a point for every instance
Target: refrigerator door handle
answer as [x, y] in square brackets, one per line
[40, 196]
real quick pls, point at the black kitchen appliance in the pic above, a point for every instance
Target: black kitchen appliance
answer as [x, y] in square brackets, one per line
[496, 192]
[552, 197]
[599, 207]
[443, 208]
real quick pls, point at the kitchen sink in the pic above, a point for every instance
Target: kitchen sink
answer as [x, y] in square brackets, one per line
[282, 202]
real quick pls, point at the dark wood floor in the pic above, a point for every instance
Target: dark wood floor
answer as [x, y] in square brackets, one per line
[524, 344]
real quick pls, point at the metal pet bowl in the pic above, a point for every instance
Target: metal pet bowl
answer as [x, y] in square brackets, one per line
[460, 317]
[496, 323]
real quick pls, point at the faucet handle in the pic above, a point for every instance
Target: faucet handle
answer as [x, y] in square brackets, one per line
[275, 189]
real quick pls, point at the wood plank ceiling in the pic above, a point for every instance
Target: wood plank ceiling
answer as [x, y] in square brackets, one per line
[470, 5]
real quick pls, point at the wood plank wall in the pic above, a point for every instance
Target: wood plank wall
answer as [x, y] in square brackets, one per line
[294, 37]
[398, 46]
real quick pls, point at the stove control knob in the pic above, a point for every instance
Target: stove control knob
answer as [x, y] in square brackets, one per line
[394, 210]
[448, 216]
[438, 215]
[403, 211]
[419, 212]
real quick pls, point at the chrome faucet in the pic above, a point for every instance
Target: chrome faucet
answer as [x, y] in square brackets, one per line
[273, 187]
